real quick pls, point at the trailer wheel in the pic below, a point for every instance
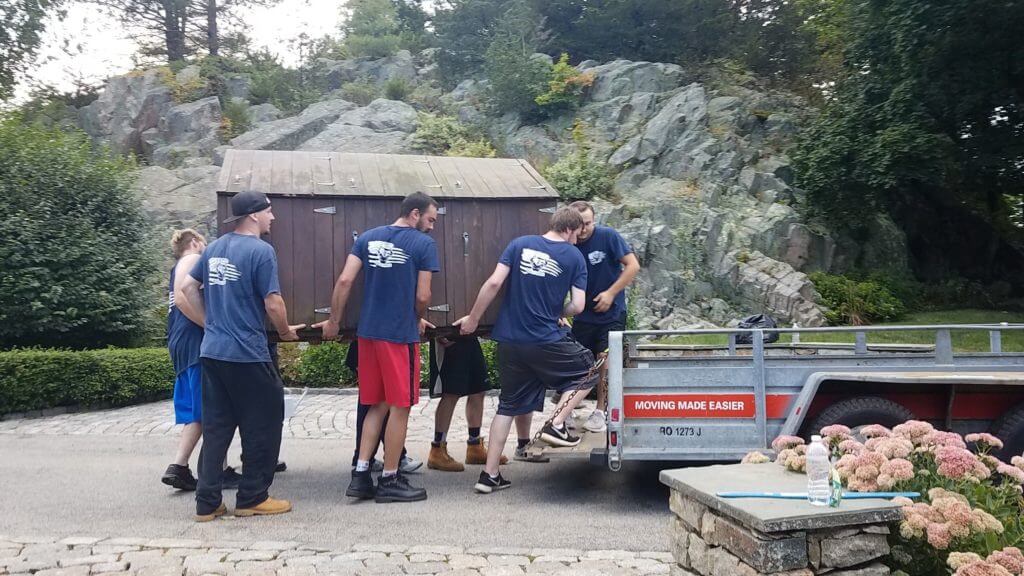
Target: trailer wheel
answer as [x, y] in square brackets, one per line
[857, 412]
[1010, 429]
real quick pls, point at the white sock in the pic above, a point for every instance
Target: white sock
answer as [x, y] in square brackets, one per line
[362, 465]
[388, 473]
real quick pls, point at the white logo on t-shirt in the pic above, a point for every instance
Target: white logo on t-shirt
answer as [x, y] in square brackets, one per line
[222, 270]
[537, 263]
[385, 254]
[596, 257]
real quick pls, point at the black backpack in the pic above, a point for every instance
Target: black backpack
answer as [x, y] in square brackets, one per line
[757, 321]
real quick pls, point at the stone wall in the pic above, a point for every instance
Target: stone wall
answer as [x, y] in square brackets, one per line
[711, 543]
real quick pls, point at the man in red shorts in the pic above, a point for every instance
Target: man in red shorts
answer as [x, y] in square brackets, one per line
[399, 260]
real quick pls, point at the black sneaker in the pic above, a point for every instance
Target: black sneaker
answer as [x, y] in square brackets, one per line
[486, 484]
[281, 467]
[396, 488]
[179, 477]
[361, 486]
[522, 455]
[230, 478]
[556, 437]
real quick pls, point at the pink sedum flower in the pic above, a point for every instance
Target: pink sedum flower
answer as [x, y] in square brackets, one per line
[982, 568]
[1010, 558]
[959, 464]
[893, 472]
[894, 447]
[938, 535]
[913, 430]
[939, 438]
[984, 440]
[783, 442]
[850, 447]
[1011, 473]
[875, 431]
[958, 559]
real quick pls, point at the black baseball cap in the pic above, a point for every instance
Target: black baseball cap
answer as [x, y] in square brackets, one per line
[245, 203]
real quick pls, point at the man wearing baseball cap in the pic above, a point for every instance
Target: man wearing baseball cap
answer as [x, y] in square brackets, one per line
[240, 387]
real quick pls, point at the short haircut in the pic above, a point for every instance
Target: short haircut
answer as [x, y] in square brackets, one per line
[566, 219]
[181, 239]
[582, 206]
[417, 201]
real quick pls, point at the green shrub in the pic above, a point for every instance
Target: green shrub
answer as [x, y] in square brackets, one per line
[360, 92]
[490, 348]
[323, 366]
[472, 149]
[74, 255]
[565, 88]
[516, 79]
[33, 379]
[856, 303]
[397, 89]
[578, 177]
[234, 120]
[446, 135]
[426, 97]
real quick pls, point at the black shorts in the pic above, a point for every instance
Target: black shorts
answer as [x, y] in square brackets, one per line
[459, 369]
[528, 370]
[595, 336]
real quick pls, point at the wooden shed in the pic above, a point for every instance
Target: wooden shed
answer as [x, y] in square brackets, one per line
[323, 200]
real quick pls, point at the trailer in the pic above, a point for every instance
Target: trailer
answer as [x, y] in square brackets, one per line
[718, 402]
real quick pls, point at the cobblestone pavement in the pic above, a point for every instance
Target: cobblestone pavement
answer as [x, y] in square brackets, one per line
[326, 415]
[81, 556]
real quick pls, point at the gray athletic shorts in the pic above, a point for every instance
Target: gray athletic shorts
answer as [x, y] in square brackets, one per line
[528, 370]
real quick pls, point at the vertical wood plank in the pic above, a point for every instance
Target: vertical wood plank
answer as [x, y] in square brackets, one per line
[304, 235]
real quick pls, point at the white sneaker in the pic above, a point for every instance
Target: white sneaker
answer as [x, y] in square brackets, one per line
[595, 422]
[409, 465]
[570, 422]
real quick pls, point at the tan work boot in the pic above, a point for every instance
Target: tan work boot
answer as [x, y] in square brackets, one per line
[266, 508]
[440, 459]
[220, 511]
[477, 453]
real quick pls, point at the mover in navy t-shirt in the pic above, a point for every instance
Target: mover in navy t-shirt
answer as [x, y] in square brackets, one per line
[541, 273]
[603, 250]
[393, 257]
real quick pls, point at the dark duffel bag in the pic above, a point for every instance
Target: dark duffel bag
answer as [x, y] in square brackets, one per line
[757, 321]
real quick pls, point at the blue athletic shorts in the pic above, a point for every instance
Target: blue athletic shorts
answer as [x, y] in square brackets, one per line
[188, 396]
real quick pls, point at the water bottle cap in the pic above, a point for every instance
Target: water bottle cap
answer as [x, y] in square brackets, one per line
[815, 438]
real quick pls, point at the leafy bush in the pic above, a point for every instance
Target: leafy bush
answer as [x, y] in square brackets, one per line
[38, 379]
[234, 120]
[565, 88]
[323, 366]
[856, 303]
[397, 89]
[372, 28]
[188, 91]
[578, 177]
[490, 348]
[446, 135]
[970, 507]
[360, 92]
[473, 149]
[74, 256]
[516, 78]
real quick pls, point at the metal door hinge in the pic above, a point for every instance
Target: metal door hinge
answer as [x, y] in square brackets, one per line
[442, 210]
[326, 310]
[547, 210]
[440, 308]
[326, 210]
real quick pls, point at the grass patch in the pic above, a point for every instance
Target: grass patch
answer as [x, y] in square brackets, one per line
[963, 341]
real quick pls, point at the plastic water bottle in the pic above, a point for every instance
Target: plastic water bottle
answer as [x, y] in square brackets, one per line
[819, 487]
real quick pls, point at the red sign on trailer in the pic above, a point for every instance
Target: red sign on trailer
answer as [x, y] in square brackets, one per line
[702, 405]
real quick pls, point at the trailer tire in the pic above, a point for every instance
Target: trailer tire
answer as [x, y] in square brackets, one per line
[1010, 429]
[861, 411]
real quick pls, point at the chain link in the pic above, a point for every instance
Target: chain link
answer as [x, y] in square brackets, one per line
[567, 398]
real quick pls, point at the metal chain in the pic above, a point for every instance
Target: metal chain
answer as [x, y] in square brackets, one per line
[566, 399]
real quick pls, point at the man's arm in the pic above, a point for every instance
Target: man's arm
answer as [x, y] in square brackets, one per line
[630, 267]
[577, 301]
[423, 291]
[278, 314]
[339, 298]
[488, 291]
[188, 299]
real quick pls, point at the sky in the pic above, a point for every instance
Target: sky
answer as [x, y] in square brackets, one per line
[107, 50]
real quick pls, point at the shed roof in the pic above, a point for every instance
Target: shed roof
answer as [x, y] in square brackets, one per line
[300, 173]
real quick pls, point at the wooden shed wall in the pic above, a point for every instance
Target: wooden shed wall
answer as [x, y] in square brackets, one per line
[312, 246]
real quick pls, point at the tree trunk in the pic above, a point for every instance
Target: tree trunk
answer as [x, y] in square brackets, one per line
[213, 42]
[174, 30]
